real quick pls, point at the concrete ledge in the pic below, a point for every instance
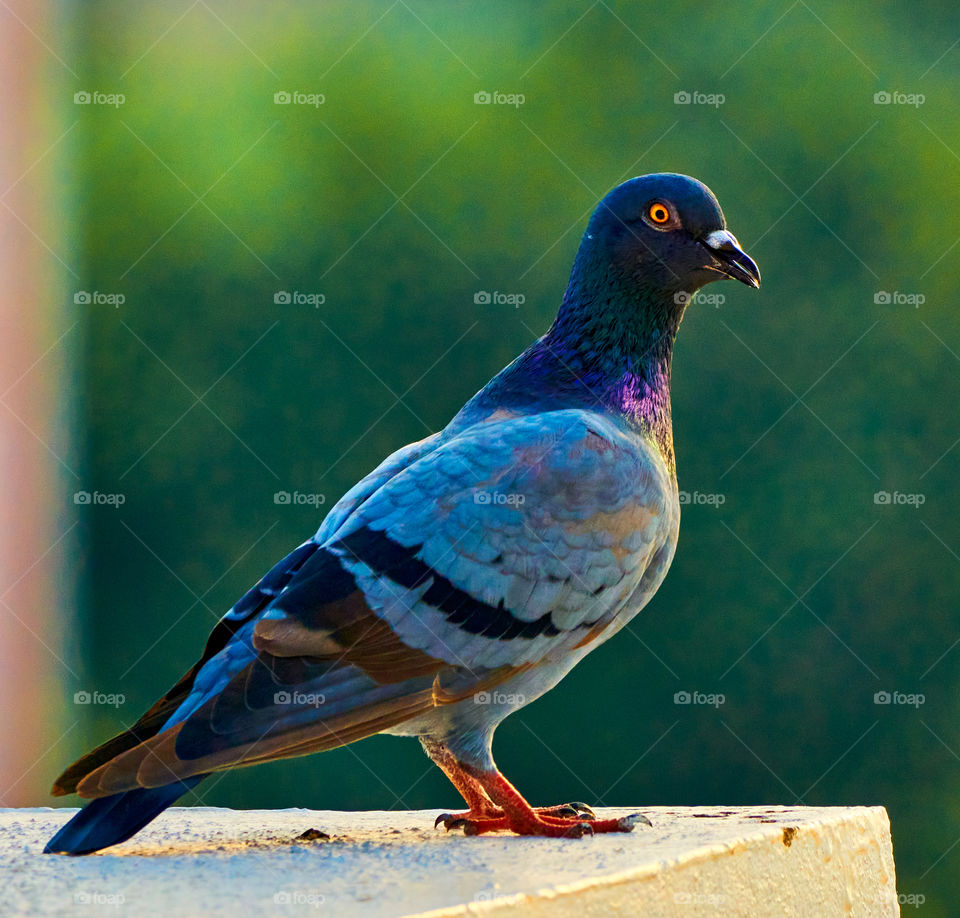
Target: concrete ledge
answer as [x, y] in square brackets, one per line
[695, 861]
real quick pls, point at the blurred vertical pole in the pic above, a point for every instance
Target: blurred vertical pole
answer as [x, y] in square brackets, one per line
[34, 466]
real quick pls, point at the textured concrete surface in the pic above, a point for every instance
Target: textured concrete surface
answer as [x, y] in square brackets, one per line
[750, 861]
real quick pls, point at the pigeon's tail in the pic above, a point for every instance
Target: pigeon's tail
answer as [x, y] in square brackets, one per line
[110, 820]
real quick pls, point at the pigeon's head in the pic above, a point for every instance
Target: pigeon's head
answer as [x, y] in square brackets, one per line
[665, 233]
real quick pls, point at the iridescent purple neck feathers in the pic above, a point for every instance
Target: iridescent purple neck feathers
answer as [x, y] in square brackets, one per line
[622, 368]
[623, 372]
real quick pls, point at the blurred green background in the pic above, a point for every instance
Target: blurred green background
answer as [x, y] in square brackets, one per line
[398, 199]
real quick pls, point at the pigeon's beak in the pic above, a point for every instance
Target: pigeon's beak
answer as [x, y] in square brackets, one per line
[729, 259]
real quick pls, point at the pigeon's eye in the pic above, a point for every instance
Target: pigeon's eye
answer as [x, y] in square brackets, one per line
[658, 213]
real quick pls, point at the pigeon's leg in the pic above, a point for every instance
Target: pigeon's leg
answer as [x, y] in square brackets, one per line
[482, 809]
[481, 806]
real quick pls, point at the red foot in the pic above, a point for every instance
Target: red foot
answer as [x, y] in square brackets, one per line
[515, 814]
[548, 826]
[495, 805]
[490, 818]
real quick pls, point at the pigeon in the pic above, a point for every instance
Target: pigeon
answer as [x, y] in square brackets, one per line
[469, 572]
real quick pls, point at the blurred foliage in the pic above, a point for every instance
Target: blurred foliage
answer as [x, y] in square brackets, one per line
[798, 598]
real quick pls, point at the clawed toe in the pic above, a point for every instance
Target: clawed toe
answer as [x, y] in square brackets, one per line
[453, 821]
[578, 827]
[634, 819]
[572, 810]
[582, 808]
[472, 823]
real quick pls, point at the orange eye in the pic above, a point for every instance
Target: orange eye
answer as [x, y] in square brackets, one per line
[658, 213]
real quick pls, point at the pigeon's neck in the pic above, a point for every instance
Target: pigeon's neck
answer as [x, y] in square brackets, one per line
[615, 349]
[606, 351]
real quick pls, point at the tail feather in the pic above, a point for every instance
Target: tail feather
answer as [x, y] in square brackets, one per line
[110, 820]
